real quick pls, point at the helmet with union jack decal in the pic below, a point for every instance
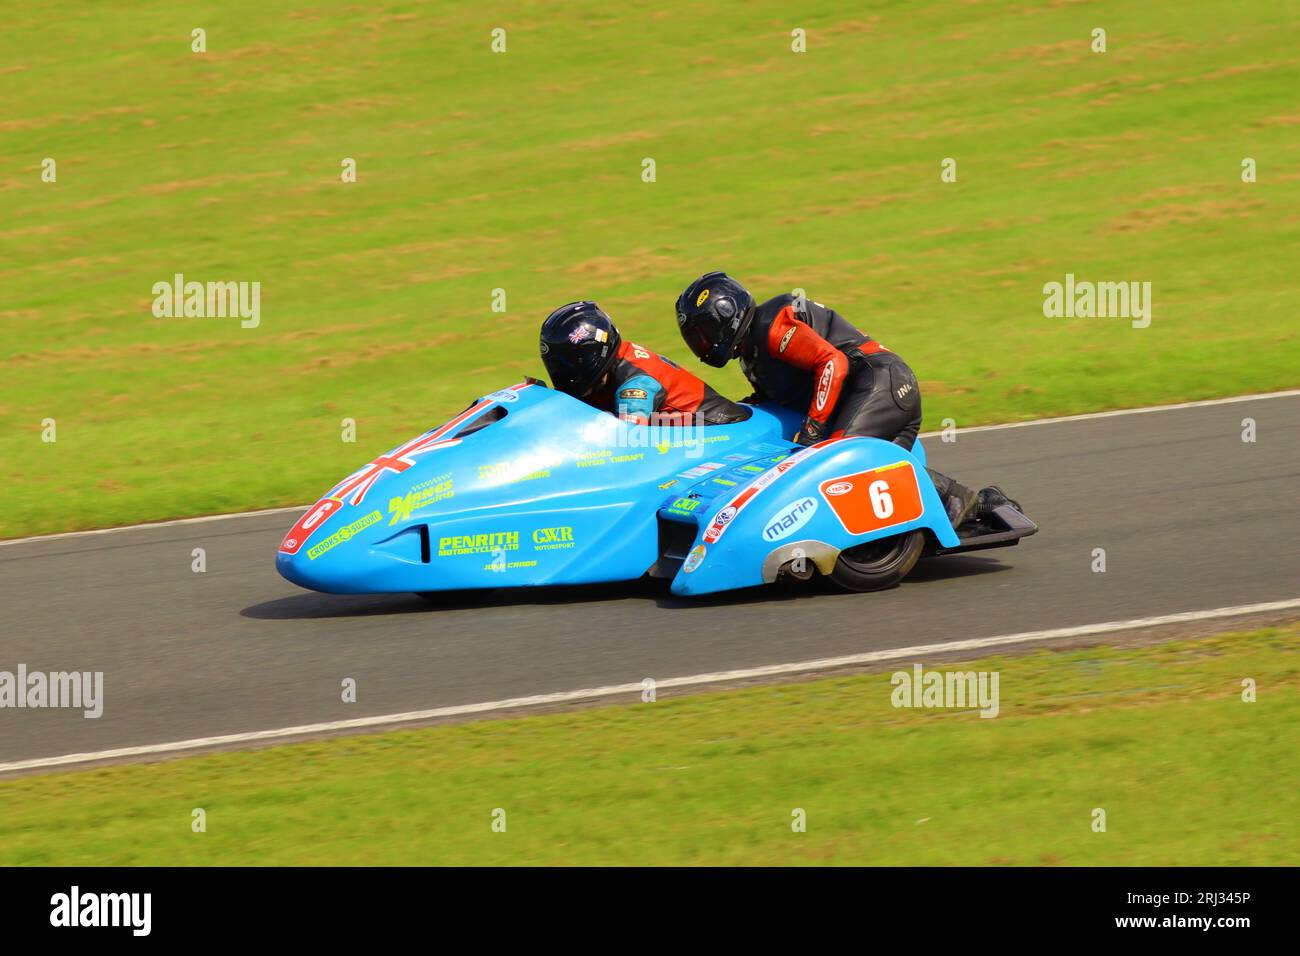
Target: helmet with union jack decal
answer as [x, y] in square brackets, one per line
[579, 344]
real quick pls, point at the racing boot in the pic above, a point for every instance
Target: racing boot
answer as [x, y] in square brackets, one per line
[959, 500]
[993, 497]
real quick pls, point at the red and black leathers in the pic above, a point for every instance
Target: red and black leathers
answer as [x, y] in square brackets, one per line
[643, 386]
[808, 357]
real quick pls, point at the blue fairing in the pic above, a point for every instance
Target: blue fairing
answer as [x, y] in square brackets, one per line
[532, 487]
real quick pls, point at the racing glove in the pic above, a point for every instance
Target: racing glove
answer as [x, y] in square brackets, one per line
[811, 433]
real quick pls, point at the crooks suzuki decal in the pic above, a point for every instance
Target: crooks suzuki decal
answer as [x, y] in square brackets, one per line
[343, 534]
[790, 519]
[755, 487]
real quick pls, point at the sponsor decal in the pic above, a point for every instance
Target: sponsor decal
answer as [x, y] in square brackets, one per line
[701, 470]
[760, 482]
[509, 472]
[601, 335]
[790, 519]
[737, 457]
[785, 339]
[753, 469]
[881, 498]
[694, 559]
[505, 395]
[702, 298]
[902, 391]
[421, 496]
[633, 393]
[720, 521]
[345, 533]
[725, 482]
[499, 566]
[605, 456]
[552, 539]
[824, 386]
[638, 351]
[308, 523]
[685, 504]
[667, 484]
[454, 545]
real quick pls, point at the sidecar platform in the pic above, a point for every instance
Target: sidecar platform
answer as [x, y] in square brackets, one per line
[1003, 529]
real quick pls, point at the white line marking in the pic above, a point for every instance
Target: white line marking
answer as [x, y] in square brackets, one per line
[587, 693]
[974, 428]
[1115, 413]
[156, 524]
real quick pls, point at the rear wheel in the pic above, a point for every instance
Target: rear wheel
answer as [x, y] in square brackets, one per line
[878, 564]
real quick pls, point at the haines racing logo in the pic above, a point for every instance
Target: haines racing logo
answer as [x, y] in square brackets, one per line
[421, 496]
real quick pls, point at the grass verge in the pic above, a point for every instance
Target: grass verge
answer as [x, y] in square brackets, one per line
[1157, 736]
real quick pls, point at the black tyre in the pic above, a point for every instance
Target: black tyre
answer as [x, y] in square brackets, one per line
[879, 564]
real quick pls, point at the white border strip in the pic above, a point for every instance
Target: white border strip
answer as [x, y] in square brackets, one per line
[1115, 413]
[974, 428]
[588, 693]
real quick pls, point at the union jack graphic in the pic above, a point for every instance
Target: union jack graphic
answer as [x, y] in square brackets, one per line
[401, 458]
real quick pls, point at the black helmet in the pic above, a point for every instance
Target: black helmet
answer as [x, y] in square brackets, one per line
[579, 345]
[714, 314]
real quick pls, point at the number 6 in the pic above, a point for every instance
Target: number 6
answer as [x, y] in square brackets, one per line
[881, 503]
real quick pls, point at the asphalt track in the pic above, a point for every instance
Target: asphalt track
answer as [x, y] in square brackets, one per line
[1190, 517]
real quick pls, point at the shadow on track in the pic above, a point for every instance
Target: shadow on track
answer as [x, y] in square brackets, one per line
[311, 605]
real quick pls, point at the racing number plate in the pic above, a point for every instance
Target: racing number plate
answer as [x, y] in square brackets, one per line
[876, 499]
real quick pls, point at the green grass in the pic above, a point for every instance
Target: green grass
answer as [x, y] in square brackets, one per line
[1157, 736]
[522, 171]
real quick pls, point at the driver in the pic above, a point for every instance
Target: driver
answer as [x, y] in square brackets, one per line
[587, 358]
[810, 358]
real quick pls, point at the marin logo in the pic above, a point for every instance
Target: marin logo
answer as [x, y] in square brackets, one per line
[790, 519]
[839, 488]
